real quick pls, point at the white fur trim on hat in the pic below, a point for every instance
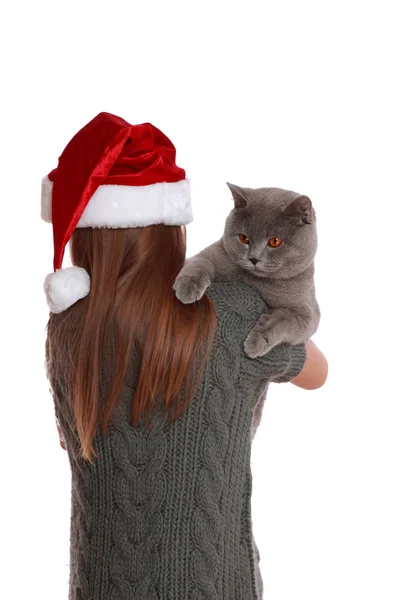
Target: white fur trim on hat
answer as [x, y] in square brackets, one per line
[119, 206]
[47, 188]
[65, 287]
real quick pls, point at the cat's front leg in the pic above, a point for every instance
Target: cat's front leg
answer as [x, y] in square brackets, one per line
[277, 326]
[193, 279]
[262, 337]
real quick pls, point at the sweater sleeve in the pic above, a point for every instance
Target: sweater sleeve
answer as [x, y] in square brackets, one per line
[297, 358]
[279, 365]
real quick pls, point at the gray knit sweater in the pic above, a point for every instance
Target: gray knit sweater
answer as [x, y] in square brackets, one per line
[165, 514]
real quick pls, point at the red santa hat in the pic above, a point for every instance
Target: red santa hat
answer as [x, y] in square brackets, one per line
[111, 174]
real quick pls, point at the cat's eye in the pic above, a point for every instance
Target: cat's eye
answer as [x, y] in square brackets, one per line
[243, 238]
[275, 242]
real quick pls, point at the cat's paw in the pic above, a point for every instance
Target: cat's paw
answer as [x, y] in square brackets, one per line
[256, 344]
[189, 289]
[262, 338]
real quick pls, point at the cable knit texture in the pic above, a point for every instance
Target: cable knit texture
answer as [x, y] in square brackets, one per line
[165, 514]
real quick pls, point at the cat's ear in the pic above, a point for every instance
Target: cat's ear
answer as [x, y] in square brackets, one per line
[301, 207]
[238, 195]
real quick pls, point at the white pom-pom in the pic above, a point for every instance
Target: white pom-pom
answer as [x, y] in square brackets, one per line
[65, 287]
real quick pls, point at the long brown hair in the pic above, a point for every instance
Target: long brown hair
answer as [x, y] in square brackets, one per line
[131, 305]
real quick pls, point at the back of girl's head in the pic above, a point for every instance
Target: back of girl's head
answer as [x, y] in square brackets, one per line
[131, 306]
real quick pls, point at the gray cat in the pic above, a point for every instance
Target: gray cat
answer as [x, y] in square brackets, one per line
[269, 243]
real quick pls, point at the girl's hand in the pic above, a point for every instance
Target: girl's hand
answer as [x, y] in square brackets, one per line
[315, 369]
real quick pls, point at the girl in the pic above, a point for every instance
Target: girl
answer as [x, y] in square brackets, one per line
[154, 399]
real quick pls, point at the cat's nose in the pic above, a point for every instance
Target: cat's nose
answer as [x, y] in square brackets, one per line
[254, 260]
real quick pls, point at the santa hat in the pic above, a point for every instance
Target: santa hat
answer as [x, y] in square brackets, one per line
[111, 174]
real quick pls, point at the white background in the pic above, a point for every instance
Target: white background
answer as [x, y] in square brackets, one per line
[301, 95]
